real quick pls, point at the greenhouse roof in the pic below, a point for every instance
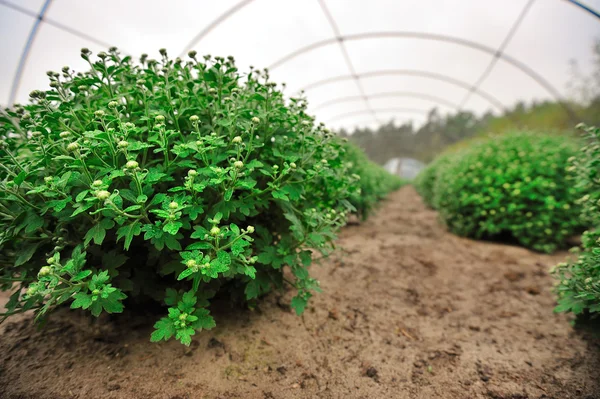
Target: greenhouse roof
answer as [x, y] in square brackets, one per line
[360, 63]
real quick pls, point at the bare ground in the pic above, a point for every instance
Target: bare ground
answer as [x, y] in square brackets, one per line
[408, 311]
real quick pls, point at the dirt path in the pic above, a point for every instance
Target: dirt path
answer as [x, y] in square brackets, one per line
[408, 311]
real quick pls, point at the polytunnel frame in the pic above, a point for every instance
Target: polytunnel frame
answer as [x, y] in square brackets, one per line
[498, 53]
[388, 94]
[409, 72]
[388, 109]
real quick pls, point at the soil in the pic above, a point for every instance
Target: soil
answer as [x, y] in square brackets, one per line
[407, 311]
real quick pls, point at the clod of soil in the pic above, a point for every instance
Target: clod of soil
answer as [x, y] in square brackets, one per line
[407, 311]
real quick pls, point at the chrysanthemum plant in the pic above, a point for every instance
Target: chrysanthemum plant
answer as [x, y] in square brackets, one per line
[164, 180]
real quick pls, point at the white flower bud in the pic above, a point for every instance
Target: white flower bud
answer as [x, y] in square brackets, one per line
[72, 147]
[132, 165]
[64, 134]
[102, 195]
[215, 231]
[250, 229]
[238, 164]
[123, 144]
[255, 120]
[44, 271]
[173, 205]
[97, 183]
[236, 140]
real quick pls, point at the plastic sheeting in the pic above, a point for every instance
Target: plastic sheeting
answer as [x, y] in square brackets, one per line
[261, 32]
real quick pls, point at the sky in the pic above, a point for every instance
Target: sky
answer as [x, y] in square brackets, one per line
[388, 44]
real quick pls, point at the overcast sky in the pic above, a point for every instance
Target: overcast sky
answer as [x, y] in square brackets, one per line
[261, 32]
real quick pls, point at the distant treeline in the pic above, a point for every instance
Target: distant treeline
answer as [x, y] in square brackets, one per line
[439, 131]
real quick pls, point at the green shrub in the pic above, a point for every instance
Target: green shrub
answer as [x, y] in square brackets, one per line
[166, 180]
[375, 181]
[578, 285]
[425, 181]
[513, 186]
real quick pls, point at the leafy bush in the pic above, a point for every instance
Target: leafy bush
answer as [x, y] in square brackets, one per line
[165, 180]
[375, 181]
[425, 181]
[512, 186]
[579, 281]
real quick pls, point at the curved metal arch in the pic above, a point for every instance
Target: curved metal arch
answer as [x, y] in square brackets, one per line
[585, 8]
[216, 22]
[434, 37]
[409, 72]
[16, 83]
[392, 94]
[368, 111]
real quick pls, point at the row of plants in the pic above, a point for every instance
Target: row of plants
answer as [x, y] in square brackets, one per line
[375, 182]
[537, 190]
[578, 285]
[173, 181]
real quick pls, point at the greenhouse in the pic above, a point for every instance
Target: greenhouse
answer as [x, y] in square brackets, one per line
[300, 199]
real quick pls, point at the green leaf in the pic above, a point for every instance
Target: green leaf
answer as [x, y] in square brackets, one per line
[20, 178]
[171, 297]
[172, 242]
[194, 211]
[97, 233]
[228, 194]
[199, 245]
[224, 258]
[112, 304]
[81, 195]
[129, 231]
[184, 335]
[82, 208]
[257, 287]
[33, 222]
[186, 273]
[299, 304]
[81, 275]
[267, 256]
[58, 205]
[250, 271]
[188, 299]
[280, 194]
[172, 227]
[164, 329]
[239, 247]
[82, 300]
[205, 320]
[306, 258]
[199, 232]
[25, 252]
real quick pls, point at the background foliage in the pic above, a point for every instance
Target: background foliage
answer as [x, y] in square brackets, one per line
[512, 186]
[579, 280]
